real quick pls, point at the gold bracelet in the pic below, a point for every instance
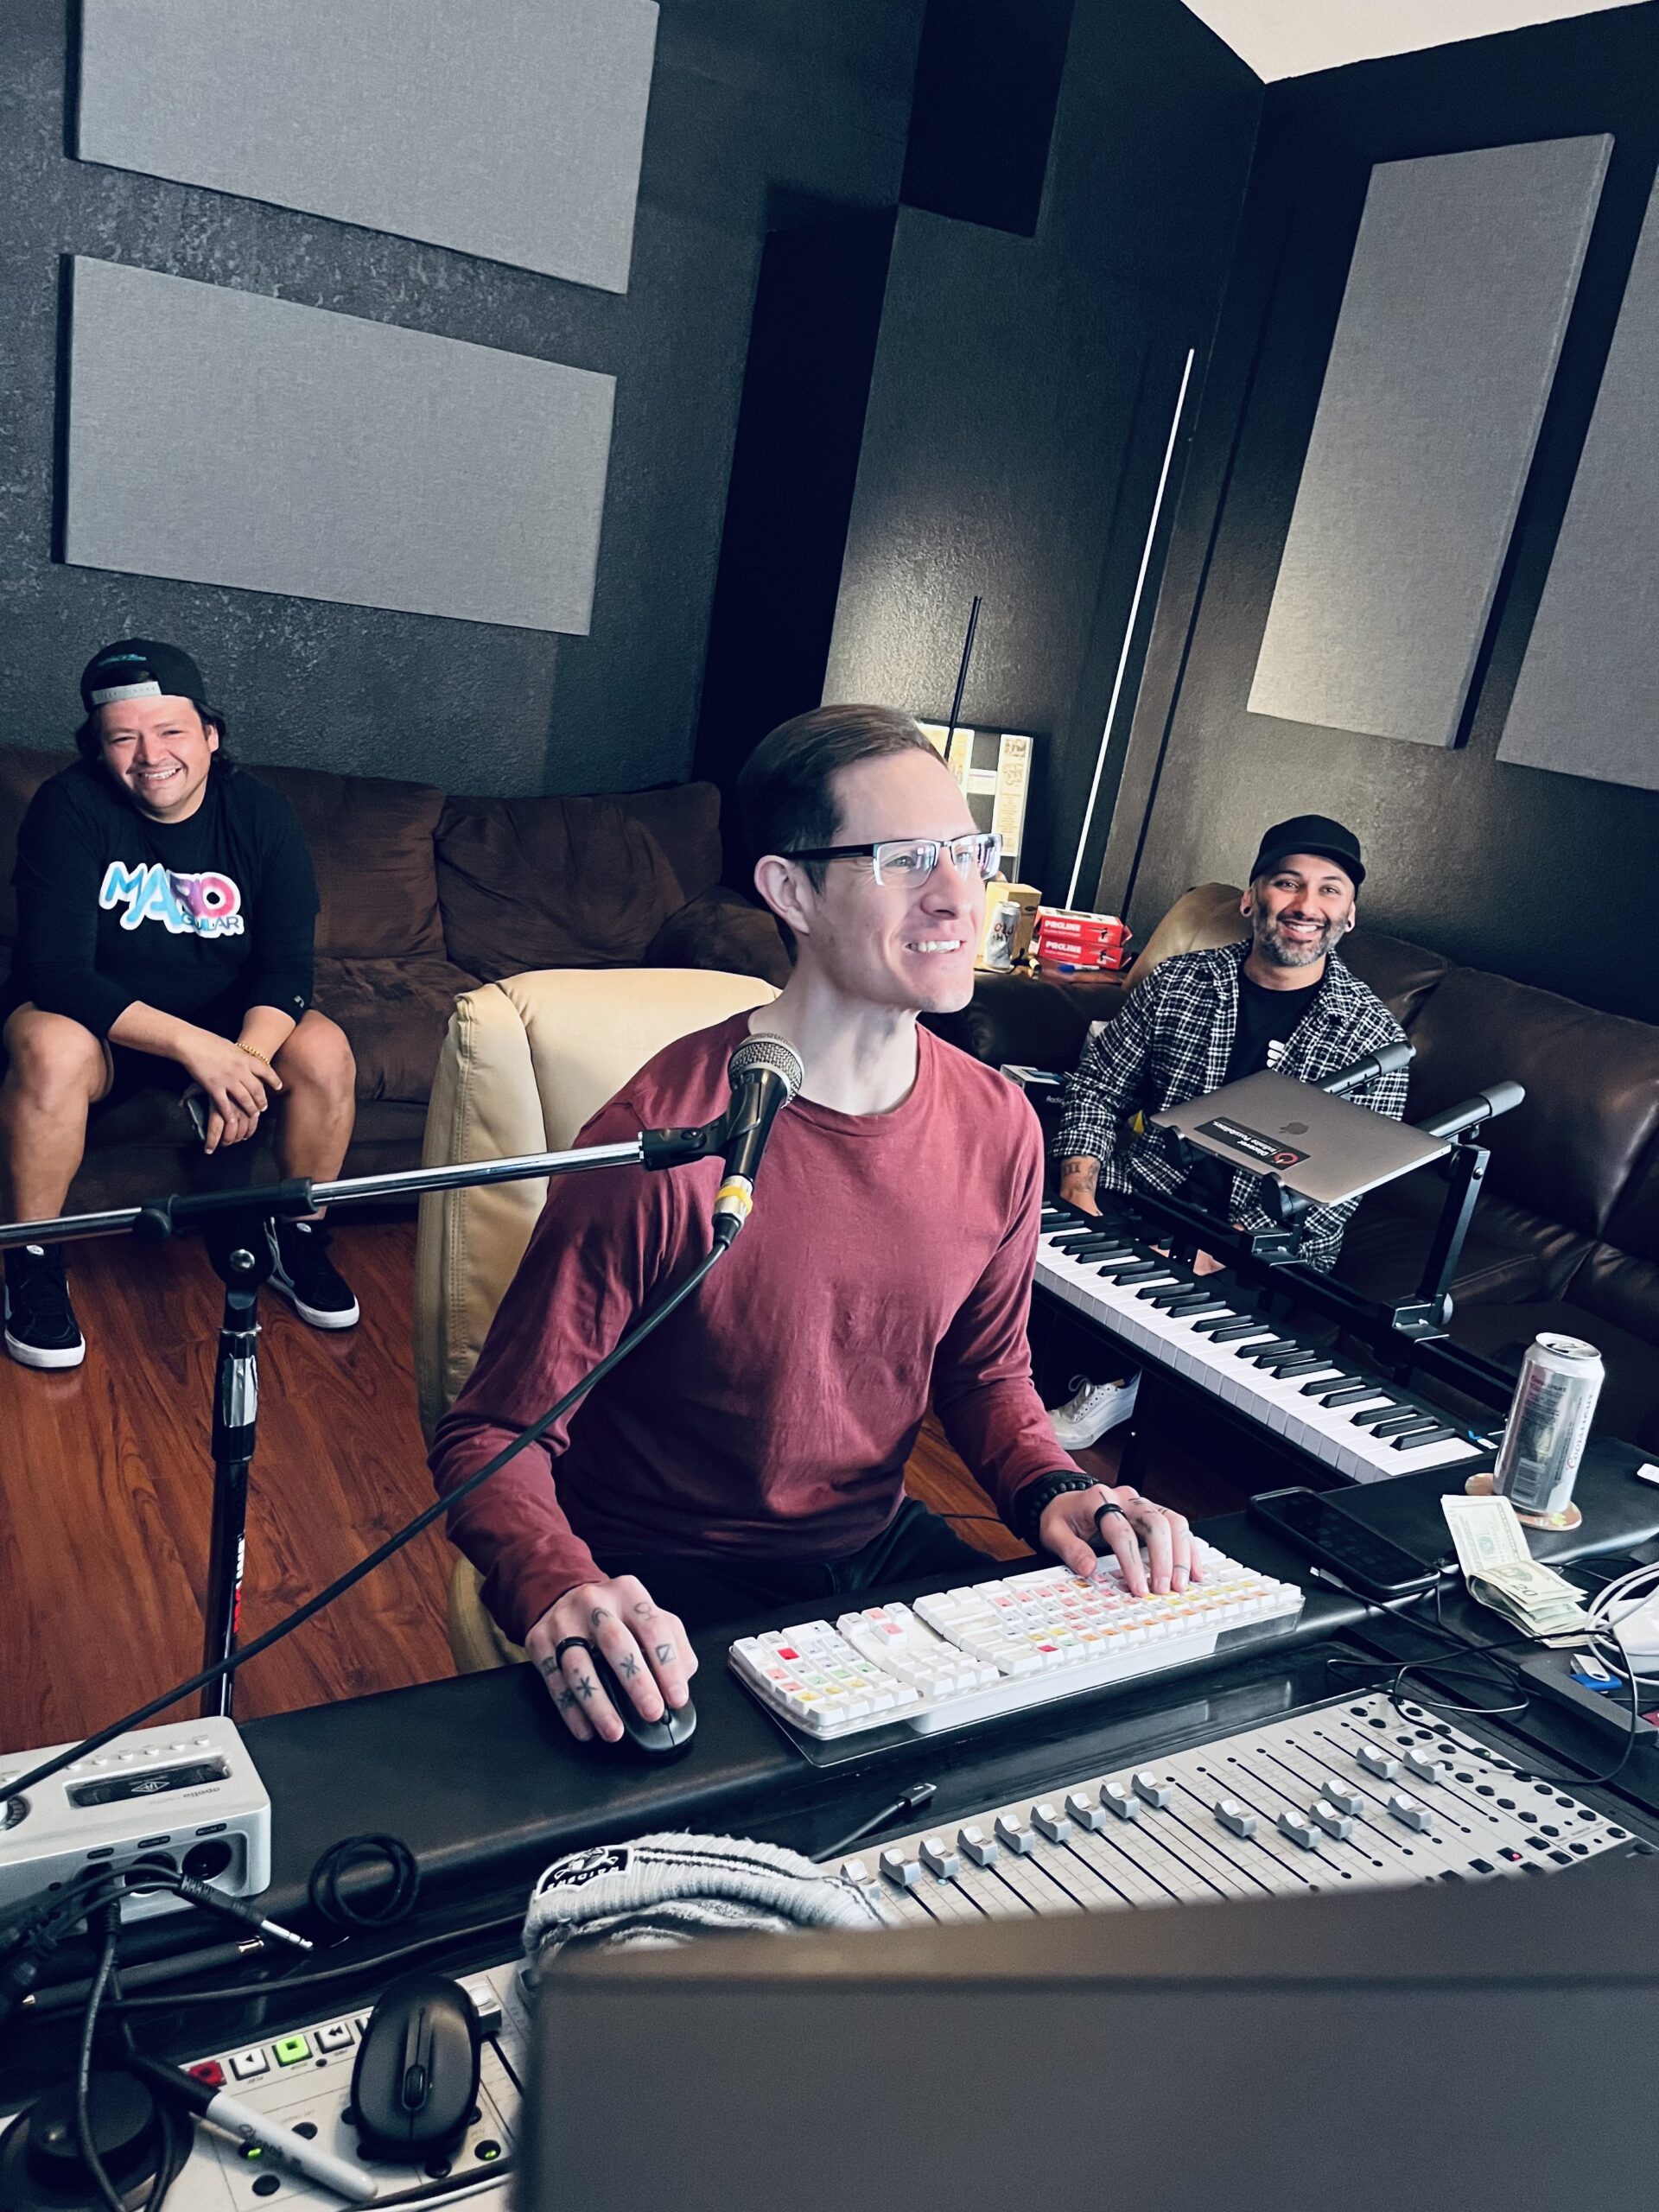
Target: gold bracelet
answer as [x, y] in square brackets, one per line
[252, 1054]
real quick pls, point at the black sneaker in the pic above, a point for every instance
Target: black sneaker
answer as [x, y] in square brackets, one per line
[309, 1279]
[41, 1326]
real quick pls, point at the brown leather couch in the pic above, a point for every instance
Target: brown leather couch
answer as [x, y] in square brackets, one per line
[423, 896]
[1566, 1234]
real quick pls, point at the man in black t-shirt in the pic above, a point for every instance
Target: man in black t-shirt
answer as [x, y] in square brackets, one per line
[166, 909]
[1282, 1000]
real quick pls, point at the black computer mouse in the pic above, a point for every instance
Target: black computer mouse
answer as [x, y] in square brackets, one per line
[414, 2084]
[657, 1740]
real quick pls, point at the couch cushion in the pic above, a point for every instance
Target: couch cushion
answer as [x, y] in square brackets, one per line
[395, 1013]
[1402, 974]
[1592, 1081]
[1509, 1253]
[370, 841]
[1038, 1021]
[1201, 919]
[531, 883]
[1628, 1406]
[684, 819]
[22, 774]
[721, 929]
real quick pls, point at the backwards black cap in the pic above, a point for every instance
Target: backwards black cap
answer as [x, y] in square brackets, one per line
[1310, 833]
[140, 668]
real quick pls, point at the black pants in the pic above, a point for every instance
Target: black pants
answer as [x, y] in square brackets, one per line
[707, 1593]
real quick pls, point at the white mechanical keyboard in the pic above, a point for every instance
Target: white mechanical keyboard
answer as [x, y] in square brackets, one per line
[993, 1648]
[1205, 1331]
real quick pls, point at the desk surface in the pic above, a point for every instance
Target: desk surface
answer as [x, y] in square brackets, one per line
[479, 1777]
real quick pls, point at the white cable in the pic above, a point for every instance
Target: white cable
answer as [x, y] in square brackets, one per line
[1129, 628]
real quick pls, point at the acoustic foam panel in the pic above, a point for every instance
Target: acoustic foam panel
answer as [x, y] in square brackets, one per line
[510, 129]
[1585, 701]
[1458, 296]
[227, 438]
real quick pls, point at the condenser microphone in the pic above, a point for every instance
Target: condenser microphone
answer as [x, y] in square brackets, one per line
[765, 1073]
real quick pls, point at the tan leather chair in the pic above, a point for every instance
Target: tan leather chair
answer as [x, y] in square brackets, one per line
[1200, 919]
[524, 1064]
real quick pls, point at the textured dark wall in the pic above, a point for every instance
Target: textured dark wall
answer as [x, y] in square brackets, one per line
[1542, 876]
[1022, 399]
[748, 95]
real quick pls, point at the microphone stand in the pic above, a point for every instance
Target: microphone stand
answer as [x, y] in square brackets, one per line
[237, 1227]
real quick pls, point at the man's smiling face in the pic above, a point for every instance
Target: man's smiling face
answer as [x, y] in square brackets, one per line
[1298, 910]
[908, 946]
[159, 752]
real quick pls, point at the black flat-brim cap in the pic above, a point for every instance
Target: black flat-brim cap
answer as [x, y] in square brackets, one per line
[1311, 833]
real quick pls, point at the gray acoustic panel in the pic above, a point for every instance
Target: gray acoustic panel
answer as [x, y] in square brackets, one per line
[506, 128]
[1586, 700]
[227, 438]
[1458, 297]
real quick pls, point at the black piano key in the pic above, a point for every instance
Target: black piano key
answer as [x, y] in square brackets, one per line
[1276, 1348]
[1081, 1240]
[1329, 1386]
[1408, 1424]
[1142, 1272]
[1414, 1439]
[1369, 1416]
[1301, 1363]
[1169, 1295]
[1230, 1329]
[1353, 1393]
[1151, 1292]
[1196, 1305]
[1221, 1321]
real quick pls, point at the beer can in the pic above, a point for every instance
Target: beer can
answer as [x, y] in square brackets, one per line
[1000, 935]
[1548, 1425]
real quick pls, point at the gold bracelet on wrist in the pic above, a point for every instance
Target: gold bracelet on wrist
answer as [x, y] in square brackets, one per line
[252, 1054]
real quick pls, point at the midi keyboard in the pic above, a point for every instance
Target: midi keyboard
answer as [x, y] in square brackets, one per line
[1209, 1332]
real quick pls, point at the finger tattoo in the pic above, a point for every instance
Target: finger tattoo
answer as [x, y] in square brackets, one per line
[664, 1653]
[585, 1687]
[564, 1699]
[628, 1667]
[550, 1667]
[597, 1615]
[643, 1610]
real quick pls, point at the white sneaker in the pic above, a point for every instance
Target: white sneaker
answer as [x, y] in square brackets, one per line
[1096, 1407]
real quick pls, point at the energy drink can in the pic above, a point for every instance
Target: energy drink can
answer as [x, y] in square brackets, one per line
[1548, 1425]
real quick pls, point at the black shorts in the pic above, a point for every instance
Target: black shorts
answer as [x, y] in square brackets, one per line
[135, 1072]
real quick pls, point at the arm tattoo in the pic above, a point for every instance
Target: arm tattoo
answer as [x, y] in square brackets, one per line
[1081, 1169]
[664, 1653]
[585, 1687]
[627, 1666]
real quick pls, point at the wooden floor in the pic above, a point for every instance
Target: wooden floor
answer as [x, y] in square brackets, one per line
[106, 1488]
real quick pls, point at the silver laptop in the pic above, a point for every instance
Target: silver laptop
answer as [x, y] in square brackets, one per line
[1325, 1148]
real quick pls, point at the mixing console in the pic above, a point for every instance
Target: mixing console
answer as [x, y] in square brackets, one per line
[1353, 1793]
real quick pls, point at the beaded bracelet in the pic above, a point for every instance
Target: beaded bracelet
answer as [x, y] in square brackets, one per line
[253, 1055]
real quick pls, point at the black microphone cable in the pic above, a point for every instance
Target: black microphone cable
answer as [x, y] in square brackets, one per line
[651, 1318]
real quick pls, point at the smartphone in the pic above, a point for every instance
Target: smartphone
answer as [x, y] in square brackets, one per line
[1371, 1564]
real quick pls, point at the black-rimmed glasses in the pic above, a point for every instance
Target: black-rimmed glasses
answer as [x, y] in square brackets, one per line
[912, 860]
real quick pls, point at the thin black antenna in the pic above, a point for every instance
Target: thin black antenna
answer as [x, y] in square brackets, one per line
[961, 670]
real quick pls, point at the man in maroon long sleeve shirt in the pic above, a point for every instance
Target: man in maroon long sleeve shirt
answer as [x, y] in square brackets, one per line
[753, 1453]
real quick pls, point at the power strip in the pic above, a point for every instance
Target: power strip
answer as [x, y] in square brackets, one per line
[184, 1794]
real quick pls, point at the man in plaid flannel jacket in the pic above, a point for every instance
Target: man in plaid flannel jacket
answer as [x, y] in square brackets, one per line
[1175, 1038]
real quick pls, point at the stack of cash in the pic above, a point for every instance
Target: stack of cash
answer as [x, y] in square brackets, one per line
[1502, 1572]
